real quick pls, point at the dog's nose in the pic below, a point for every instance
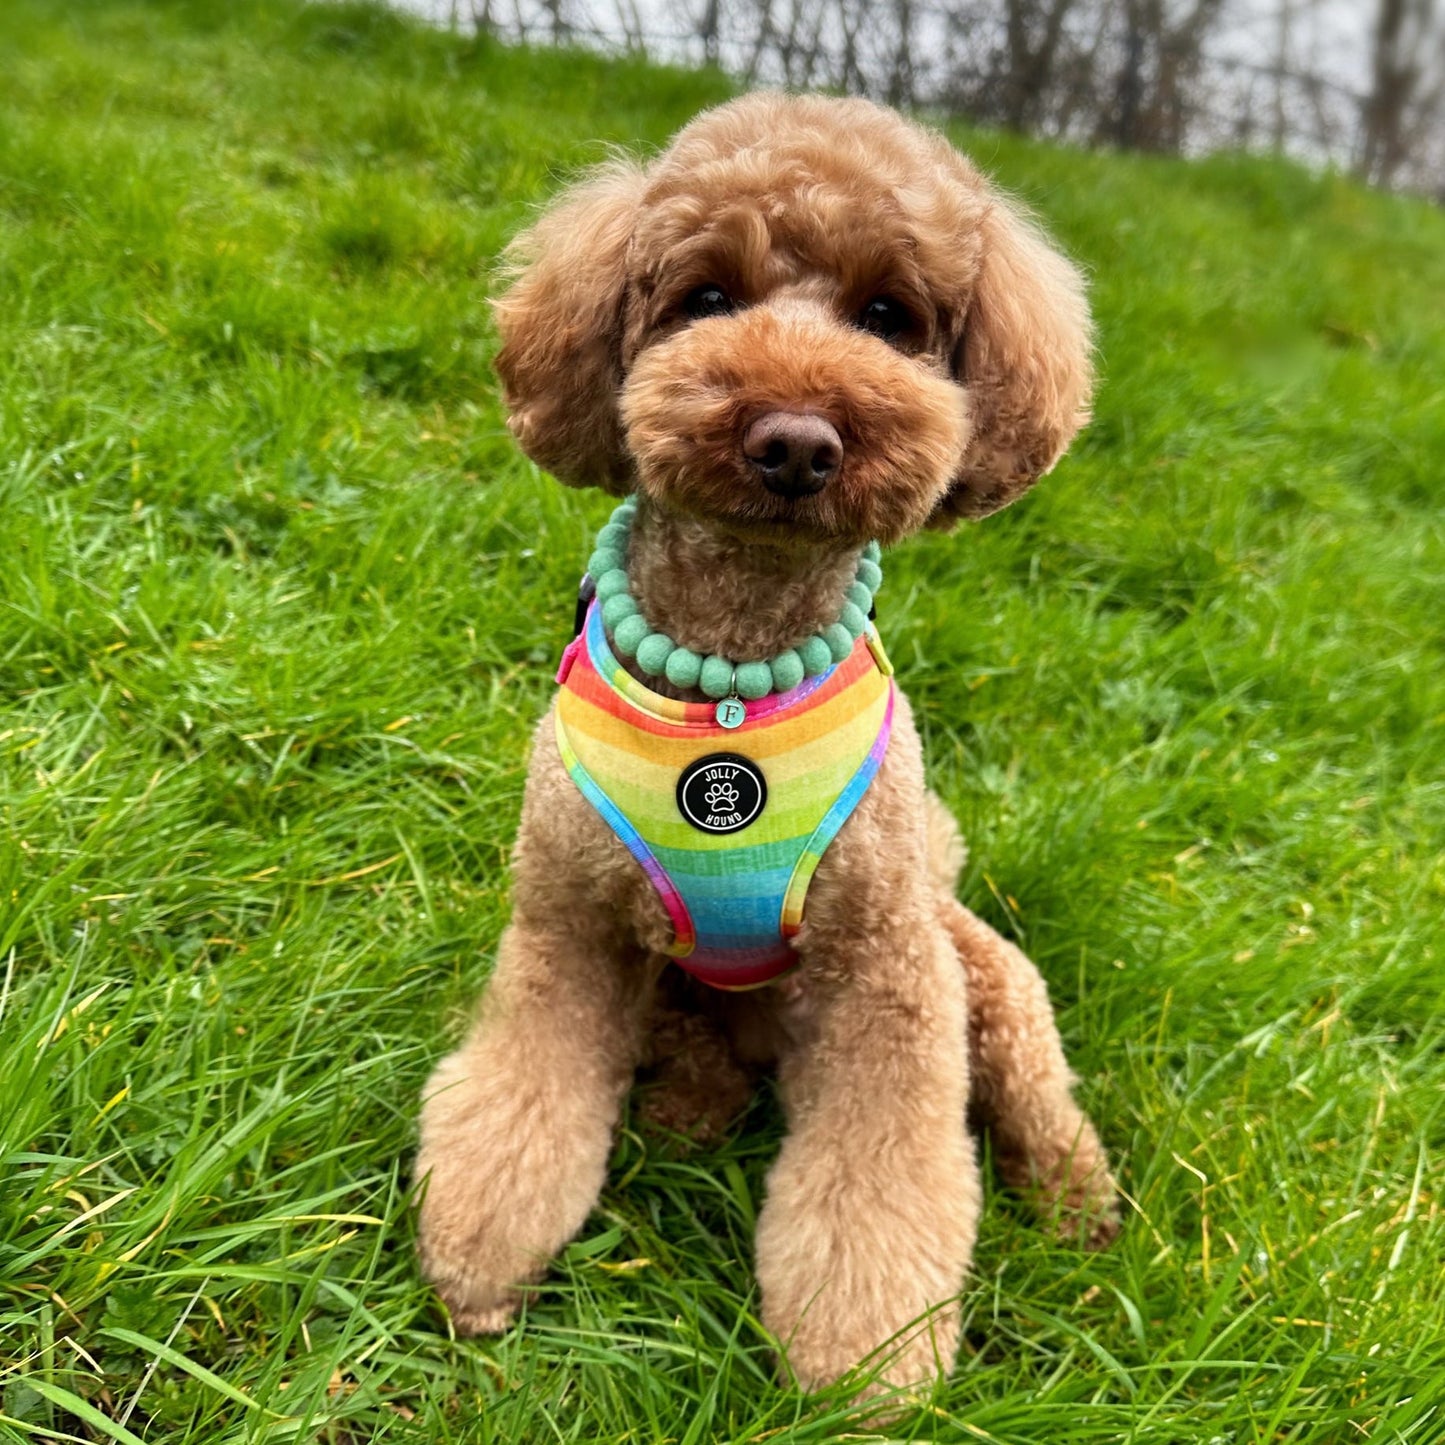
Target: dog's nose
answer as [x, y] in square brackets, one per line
[796, 452]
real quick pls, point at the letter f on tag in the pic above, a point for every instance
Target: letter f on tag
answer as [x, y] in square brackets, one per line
[730, 713]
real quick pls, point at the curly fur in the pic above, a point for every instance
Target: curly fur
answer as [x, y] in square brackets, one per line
[907, 1012]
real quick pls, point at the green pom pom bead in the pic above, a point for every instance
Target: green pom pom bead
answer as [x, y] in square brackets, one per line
[658, 655]
[612, 584]
[616, 608]
[684, 667]
[787, 670]
[817, 656]
[839, 640]
[653, 652]
[716, 676]
[755, 679]
[628, 634]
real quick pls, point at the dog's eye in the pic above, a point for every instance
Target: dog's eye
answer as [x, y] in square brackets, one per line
[885, 318]
[707, 301]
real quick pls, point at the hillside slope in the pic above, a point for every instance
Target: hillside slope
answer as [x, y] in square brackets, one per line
[279, 607]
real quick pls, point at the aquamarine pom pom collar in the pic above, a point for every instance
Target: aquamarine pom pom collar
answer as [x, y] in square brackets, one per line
[732, 684]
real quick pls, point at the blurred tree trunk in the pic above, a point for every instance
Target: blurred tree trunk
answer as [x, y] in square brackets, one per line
[763, 37]
[1033, 33]
[850, 18]
[1163, 54]
[1404, 32]
[557, 21]
[629, 21]
[1279, 127]
[900, 72]
[1129, 86]
[707, 29]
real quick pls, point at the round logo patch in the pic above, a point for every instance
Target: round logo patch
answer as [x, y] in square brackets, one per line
[721, 793]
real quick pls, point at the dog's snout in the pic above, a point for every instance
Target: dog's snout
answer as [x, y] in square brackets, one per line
[796, 452]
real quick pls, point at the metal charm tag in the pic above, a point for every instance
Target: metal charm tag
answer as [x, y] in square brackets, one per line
[731, 712]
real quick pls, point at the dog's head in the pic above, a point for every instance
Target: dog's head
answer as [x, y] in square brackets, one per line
[808, 315]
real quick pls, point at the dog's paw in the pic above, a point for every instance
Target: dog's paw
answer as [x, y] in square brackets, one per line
[484, 1321]
[458, 1243]
[1088, 1214]
[1085, 1196]
[1077, 1199]
[900, 1373]
[477, 1305]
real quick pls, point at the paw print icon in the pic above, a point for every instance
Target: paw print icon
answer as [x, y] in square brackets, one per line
[721, 797]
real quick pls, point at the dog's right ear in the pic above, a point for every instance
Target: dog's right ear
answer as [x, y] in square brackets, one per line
[561, 326]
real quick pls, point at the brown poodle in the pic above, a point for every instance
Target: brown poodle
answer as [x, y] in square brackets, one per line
[807, 324]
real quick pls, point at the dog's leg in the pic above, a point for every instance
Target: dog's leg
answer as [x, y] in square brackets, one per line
[872, 1205]
[517, 1123]
[1044, 1143]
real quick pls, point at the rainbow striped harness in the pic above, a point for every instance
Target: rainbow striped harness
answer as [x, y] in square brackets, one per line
[729, 825]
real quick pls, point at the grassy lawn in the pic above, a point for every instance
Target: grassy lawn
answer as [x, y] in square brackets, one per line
[280, 603]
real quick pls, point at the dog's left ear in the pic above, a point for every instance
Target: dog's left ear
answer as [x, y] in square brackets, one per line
[561, 324]
[1025, 361]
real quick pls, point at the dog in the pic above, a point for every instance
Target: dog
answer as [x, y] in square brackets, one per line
[808, 325]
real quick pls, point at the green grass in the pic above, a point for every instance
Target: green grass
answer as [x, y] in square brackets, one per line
[279, 604]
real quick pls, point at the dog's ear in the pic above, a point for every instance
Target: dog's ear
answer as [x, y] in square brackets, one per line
[1025, 360]
[560, 322]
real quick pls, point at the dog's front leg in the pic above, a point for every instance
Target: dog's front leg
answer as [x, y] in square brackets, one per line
[873, 1203]
[517, 1123]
